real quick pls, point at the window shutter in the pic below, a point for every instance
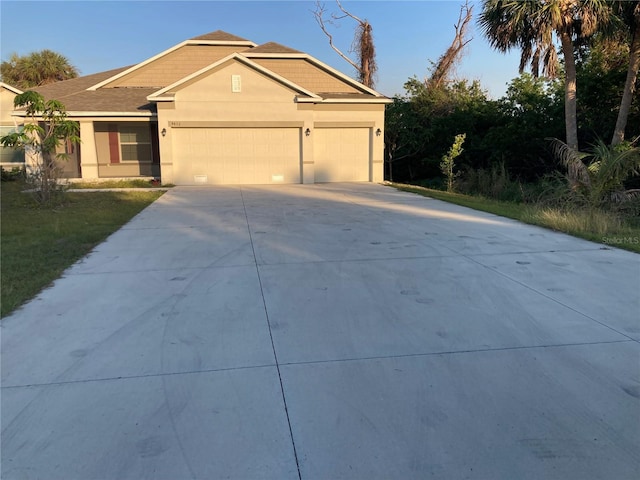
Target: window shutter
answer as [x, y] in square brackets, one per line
[114, 144]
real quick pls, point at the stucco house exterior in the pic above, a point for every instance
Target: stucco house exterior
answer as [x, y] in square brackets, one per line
[9, 158]
[220, 109]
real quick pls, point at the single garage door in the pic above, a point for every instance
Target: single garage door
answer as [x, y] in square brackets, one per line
[233, 156]
[341, 155]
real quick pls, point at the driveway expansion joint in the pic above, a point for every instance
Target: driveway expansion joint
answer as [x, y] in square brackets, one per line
[137, 377]
[273, 346]
[537, 291]
[456, 352]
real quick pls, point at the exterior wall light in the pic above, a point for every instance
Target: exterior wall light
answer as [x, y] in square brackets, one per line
[378, 132]
[307, 132]
[164, 132]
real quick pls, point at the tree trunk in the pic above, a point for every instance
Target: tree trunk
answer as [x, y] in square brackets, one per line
[366, 53]
[365, 73]
[629, 88]
[570, 103]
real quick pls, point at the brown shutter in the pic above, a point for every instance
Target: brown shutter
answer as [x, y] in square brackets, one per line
[114, 144]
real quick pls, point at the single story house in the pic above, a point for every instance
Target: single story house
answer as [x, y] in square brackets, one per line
[220, 109]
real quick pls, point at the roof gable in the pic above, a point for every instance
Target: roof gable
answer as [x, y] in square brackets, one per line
[307, 71]
[173, 66]
[254, 91]
[167, 94]
[178, 61]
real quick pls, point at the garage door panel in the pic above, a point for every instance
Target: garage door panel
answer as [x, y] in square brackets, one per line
[342, 154]
[236, 155]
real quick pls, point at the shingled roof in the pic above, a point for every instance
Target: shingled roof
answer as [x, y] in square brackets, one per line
[60, 90]
[74, 95]
[270, 47]
[120, 100]
[221, 36]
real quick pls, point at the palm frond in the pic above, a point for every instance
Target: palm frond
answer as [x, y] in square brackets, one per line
[573, 160]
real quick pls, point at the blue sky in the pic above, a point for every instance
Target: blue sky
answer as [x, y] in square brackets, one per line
[101, 35]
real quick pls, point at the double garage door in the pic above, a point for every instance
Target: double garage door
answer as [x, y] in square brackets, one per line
[233, 156]
[240, 156]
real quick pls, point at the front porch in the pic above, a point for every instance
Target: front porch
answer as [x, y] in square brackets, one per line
[112, 149]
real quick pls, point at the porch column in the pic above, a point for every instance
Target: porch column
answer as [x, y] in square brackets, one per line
[88, 152]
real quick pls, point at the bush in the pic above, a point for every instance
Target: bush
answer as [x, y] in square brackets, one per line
[16, 173]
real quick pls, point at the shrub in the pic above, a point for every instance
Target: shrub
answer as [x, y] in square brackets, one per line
[447, 164]
[16, 173]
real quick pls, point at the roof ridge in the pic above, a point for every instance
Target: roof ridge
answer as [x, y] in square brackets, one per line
[222, 36]
[272, 47]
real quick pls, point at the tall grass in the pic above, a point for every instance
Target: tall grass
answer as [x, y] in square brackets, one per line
[574, 221]
[606, 227]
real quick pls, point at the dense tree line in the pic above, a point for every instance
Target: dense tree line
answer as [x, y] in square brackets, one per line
[511, 133]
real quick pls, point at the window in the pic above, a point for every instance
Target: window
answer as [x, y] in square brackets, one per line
[135, 143]
[236, 83]
[10, 155]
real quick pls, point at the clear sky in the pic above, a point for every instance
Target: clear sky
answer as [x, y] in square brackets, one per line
[101, 35]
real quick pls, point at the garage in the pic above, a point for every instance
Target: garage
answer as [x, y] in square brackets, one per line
[342, 154]
[236, 156]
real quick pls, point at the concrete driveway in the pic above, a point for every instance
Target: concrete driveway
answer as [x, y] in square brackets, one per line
[342, 331]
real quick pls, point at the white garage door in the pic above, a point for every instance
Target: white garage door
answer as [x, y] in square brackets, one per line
[233, 156]
[341, 155]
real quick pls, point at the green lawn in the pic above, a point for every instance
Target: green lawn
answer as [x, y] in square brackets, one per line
[38, 243]
[601, 228]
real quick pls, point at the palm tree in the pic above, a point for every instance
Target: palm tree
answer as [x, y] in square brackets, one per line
[629, 13]
[533, 26]
[36, 69]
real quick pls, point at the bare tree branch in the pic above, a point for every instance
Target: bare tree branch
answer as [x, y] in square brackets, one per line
[319, 13]
[362, 46]
[453, 54]
[348, 14]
